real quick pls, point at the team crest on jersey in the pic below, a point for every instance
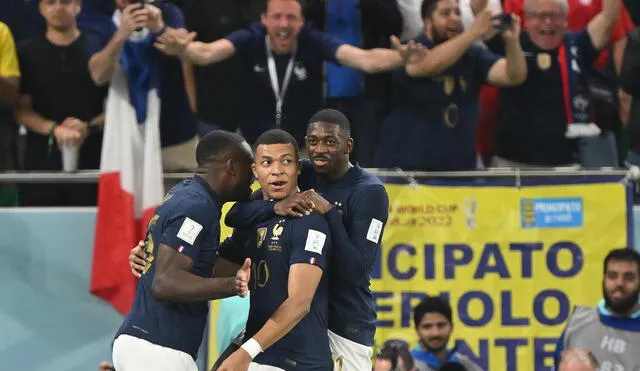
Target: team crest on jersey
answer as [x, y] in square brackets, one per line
[300, 72]
[463, 84]
[261, 234]
[166, 198]
[544, 61]
[449, 84]
[277, 231]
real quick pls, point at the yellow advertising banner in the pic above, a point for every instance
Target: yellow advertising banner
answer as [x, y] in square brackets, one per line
[512, 261]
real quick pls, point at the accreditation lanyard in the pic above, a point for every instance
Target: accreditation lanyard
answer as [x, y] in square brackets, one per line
[273, 76]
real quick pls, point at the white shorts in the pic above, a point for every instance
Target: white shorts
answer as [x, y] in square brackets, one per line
[134, 354]
[348, 355]
[258, 367]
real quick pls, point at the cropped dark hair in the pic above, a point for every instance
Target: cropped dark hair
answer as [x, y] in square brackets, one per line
[276, 136]
[624, 254]
[333, 117]
[431, 304]
[216, 145]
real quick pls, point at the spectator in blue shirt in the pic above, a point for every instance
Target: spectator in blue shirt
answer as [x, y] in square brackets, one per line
[286, 59]
[431, 126]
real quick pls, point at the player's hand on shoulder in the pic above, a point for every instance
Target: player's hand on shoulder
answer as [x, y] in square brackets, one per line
[297, 205]
[137, 259]
[322, 206]
[238, 361]
[242, 279]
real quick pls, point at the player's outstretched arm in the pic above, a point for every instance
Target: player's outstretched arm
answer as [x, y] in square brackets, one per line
[173, 281]
[246, 214]
[303, 282]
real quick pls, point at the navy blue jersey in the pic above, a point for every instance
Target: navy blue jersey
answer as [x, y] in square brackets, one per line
[188, 220]
[432, 122]
[356, 223]
[304, 95]
[275, 246]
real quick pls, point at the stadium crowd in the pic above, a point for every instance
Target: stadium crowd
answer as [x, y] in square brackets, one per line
[433, 85]
[469, 103]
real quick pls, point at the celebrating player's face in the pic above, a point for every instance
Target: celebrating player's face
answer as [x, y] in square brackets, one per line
[445, 21]
[621, 286]
[327, 147]
[276, 168]
[434, 331]
[283, 20]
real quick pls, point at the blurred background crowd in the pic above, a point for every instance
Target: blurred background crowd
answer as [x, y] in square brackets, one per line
[414, 123]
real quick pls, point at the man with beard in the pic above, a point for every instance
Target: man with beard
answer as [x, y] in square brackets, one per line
[433, 324]
[431, 125]
[611, 331]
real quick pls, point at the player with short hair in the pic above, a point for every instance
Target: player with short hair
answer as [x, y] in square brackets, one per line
[355, 204]
[356, 212]
[287, 324]
[164, 328]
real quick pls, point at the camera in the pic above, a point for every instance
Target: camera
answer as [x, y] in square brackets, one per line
[503, 22]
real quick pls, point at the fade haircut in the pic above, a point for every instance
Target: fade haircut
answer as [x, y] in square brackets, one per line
[277, 136]
[431, 304]
[217, 146]
[333, 117]
[624, 254]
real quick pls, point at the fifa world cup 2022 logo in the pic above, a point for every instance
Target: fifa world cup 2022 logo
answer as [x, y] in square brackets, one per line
[470, 207]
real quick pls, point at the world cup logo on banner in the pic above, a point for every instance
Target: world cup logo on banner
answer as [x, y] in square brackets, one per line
[470, 206]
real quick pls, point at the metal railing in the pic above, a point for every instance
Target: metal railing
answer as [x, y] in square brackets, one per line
[91, 176]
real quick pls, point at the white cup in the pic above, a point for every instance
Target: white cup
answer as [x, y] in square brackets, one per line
[70, 153]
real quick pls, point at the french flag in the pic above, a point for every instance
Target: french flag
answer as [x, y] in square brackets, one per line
[131, 182]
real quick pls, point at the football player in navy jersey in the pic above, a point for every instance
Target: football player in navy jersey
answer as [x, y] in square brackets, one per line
[355, 205]
[164, 327]
[356, 216]
[288, 316]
